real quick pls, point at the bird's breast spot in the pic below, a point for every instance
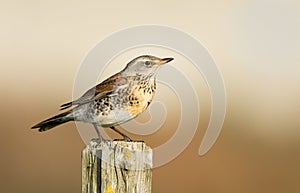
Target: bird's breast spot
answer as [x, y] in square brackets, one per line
[140, 102]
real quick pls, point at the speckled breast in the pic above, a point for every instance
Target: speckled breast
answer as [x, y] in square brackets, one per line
[124, 104]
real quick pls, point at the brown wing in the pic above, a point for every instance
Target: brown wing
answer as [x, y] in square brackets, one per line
[101, 90]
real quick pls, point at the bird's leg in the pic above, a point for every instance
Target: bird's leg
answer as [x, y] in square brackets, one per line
[126, 138]
[100, 138]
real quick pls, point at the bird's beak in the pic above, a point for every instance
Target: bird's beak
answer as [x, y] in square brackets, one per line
[165, 60]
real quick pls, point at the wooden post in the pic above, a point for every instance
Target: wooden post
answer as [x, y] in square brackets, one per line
[116, 167]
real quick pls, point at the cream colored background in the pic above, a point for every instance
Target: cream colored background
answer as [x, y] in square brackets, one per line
[256, 44]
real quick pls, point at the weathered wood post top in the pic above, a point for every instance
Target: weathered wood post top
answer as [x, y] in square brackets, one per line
[116, 167]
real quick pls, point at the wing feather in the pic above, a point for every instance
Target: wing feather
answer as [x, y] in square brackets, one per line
[101, 90]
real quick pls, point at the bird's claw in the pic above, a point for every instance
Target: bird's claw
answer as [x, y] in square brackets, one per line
[99, 140]
[127, 139]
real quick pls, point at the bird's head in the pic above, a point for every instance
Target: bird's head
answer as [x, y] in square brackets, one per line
[144, 65]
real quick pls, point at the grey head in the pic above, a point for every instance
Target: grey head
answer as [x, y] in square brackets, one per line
[144, 65]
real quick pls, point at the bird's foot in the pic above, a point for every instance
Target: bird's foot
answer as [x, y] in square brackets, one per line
[127, 139]
[99, 140]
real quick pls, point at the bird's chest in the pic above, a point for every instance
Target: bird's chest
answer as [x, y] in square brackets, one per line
[124, 104]
[140, 97]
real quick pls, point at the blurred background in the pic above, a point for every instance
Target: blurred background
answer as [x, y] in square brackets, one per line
[255, 43]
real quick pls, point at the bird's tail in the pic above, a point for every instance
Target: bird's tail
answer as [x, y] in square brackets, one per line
[54, 121]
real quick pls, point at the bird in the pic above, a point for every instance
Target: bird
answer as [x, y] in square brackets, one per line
[116, 100]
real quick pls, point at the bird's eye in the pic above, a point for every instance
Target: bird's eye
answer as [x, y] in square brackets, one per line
[147, 63]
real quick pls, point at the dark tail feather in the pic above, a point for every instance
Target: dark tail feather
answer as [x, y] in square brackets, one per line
[53, 121]
[65, 106]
